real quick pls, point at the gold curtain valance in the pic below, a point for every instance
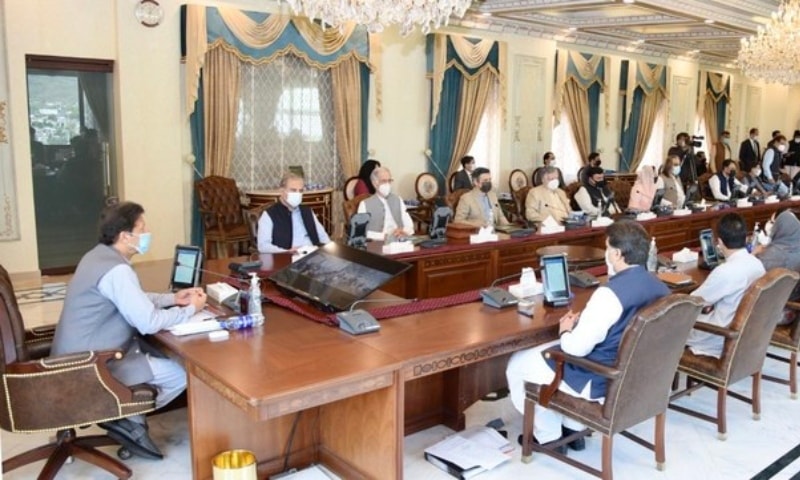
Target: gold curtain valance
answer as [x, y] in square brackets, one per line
[650, 82]
[716, 91]
[585, 75]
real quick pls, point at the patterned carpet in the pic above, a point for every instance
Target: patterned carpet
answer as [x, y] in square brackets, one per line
[46, 293]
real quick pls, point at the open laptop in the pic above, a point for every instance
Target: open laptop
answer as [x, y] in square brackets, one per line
[186, 267]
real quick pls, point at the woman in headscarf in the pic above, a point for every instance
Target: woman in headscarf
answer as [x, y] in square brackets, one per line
[782, 250]
[643, 190]
[364, 184]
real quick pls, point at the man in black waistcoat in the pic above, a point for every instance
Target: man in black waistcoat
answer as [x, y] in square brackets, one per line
[287, 225]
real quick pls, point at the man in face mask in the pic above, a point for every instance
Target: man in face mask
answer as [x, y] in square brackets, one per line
[594, 197]
[462, 178]
[106, 309]
[547, 199]
[388, 216]
[548, 160]
[287, 225]
[594, 334]
[479, 206]
[724, 185]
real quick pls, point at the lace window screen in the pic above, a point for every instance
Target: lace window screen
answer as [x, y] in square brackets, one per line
[285, 119]
[654, 153]
[486, 146]
[568, 159]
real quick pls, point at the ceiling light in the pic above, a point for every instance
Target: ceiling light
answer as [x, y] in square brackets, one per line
[571, 29]
[708, 21]
[485, 14]
[773, 53]
[378, 14]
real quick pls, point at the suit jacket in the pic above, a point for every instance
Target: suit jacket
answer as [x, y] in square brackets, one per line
[542, 202]
[462, 180]
[470, 209]
[722, 152]
[747, 156]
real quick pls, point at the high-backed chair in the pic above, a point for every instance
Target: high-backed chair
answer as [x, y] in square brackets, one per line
[350, 207]
[638, 383]
[350, 187]
[517, 179]
[519, 201]
[746, 342]
[59, 394]
[452, 198]
[787, 337]
[223, 216]
[253, 215]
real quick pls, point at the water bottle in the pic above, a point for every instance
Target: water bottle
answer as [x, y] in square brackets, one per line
[240, 322]
[652, 256]
[754, 240]
[254, 304]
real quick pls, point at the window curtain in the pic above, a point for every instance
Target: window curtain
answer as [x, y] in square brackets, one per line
[713, 103]
[580, 80]
[256, 38]
[463, 73]
[644, 87]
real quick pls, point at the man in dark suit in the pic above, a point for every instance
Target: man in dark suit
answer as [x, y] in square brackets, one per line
[463, 177]
[750, 151]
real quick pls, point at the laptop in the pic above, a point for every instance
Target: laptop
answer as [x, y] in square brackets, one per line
[186, 267]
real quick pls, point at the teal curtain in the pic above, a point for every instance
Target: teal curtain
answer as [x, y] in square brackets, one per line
[443, 133]
[642, 86]
[722, 113]
[593, 93]
[196, 127]
[628, 140]
[364, 111]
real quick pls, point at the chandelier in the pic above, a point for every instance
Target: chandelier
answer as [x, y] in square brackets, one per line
[773, 53]
[377, 14]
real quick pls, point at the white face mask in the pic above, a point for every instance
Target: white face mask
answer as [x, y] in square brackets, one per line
[385, 189]
[726, 140]
[757, 172]
[294, 198]
[781, 148]
[609, 266]
[796, 139]
[755, 138]
[676, 170]
[552, 184]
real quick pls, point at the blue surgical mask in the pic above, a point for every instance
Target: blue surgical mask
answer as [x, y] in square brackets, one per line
[144, 243]
[676, 170]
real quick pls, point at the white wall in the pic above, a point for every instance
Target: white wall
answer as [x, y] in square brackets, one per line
[153, 133]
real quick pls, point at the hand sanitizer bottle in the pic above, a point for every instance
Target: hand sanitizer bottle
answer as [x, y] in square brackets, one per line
[254, 306]
[652, 256]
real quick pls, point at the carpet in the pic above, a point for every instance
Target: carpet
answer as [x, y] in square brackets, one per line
[48, 292]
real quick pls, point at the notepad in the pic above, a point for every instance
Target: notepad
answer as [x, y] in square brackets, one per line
[201, 322]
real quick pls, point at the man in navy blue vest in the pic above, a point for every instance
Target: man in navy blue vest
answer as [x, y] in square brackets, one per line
[724, 185]
[594, 333]
[286, 225]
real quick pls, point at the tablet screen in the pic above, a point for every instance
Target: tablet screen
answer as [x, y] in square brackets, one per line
[707, 247]
[186, 269]
[556, 282]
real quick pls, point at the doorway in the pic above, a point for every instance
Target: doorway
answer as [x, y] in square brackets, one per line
[70, 119]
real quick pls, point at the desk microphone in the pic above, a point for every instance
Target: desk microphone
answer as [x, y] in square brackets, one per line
[497, 297]
[358, 322]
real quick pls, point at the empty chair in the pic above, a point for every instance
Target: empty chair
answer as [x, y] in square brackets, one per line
[223, 216]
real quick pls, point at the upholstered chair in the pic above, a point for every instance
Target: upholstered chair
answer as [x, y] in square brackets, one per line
[787, 337]
[223, 217]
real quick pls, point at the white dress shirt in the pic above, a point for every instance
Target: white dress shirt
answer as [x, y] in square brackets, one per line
[584, 200]
[716, 190]
[300, 236]
[389, 225]
[724, 289]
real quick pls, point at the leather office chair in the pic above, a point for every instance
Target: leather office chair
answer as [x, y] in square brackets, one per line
[746, 342]
[59, 394]
[787, 337]
[638, 384]
[223, 216]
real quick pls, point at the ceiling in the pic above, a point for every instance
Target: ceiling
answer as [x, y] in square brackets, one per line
[709, 30]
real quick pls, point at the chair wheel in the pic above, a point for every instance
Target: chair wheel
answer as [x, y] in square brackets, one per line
[123, 453]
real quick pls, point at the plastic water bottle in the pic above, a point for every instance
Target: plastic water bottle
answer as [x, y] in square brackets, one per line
[254, 303]
[652, 256]
[240, 322]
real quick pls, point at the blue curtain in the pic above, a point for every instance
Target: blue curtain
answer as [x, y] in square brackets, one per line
[364, 111]
[196, 126]
[443, 134]
[593, 94]
[628, 140]
[722, 111]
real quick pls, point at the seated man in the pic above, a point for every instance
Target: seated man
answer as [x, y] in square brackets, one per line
[397, 224]
[723, 289]
[106, 309]
[286, 225]
[463, 179]
[479, 206]
[724, 185]
[595, 333]
[547, 200]
[755, 187]
[594, 196]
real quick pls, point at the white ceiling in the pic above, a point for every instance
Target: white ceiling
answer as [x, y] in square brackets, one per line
[709, 30]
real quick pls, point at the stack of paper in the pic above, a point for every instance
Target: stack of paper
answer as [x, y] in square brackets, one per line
[468, 453]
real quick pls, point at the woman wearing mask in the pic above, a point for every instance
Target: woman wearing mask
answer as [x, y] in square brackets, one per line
[669, 179]
[782, 235]
[643, 190]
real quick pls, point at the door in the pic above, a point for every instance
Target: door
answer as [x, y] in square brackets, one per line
[70, 112]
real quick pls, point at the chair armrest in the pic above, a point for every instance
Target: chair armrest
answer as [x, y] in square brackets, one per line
[561, 358]
[39, 340]
[793, 305]
[716, 330]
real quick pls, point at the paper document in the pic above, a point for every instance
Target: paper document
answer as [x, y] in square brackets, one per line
[467, 453]
[201, 322]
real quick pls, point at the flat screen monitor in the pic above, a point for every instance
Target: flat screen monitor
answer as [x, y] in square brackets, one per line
[335, 276]
[186, 267]
[555, 278]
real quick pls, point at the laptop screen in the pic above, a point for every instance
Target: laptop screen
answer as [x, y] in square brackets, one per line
[186, 268]
[555, 277]
[335, 275]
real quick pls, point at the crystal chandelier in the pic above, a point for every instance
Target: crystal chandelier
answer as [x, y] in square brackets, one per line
[377, 14]
[773, 53]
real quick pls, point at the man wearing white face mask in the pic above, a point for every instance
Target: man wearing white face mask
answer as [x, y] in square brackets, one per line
[287, 225]
[547, 200]
[388, 215]
[106, 309]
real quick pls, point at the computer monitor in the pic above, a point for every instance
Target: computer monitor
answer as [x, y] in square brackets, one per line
[335, 276]
[186, 267]
[555, 279]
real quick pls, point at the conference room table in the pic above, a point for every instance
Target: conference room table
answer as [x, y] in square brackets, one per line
[295, 391]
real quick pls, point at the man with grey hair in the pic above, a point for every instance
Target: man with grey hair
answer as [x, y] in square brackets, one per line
[547, 200]
[388, 215]
[287, 225]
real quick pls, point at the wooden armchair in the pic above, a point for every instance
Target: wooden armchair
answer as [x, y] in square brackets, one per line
[519, 202]
[746, 342]
[638, 384]
[223, 217]
[59, 394]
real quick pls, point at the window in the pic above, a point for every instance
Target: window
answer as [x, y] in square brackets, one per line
[565, 149]
[654, 153]
[285, 119]
[486, 146]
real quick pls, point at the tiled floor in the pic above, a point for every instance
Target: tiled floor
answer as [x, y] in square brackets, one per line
[693, 452]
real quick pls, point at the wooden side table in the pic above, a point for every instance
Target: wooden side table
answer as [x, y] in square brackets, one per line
[320, 201]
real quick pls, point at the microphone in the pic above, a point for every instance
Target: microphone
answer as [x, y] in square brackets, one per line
[497, 297]
[359, 322]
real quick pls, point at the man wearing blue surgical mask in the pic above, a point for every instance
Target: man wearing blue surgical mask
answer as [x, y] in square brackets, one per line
[106, 309]
[287, 225]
